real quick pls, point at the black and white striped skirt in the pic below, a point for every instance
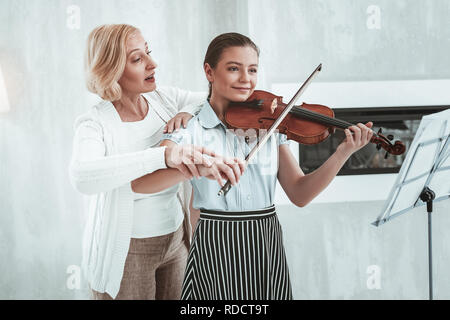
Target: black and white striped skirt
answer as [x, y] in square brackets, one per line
[237, 255]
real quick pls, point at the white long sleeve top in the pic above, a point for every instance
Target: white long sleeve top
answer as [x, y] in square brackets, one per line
[100, 170]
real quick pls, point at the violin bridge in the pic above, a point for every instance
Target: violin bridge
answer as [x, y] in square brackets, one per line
[274, 105]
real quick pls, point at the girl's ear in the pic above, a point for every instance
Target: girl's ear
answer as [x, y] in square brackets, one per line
[208, 72]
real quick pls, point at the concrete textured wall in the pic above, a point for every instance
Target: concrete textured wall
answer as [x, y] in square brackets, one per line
[331, 248]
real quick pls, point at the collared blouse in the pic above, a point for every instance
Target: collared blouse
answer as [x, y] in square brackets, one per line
[256, 188]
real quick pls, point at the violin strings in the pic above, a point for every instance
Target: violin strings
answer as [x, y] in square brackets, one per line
[317, 116]
[320, 117]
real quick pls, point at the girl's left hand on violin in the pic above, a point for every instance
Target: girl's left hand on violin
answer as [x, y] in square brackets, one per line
[181, 118]
[356, 138]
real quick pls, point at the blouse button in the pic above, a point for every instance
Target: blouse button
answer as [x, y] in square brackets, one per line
[249, 197]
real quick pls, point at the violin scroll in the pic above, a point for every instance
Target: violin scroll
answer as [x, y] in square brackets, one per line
[384, 142]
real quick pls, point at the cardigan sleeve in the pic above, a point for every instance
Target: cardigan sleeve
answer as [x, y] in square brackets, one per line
[91, 171]
[186, 101]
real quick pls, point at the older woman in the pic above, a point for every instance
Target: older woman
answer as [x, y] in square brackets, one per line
[135, 245]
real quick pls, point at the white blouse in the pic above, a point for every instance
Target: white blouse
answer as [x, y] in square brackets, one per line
[158, 213]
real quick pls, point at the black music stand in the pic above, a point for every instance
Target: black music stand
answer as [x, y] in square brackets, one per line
[424, 177]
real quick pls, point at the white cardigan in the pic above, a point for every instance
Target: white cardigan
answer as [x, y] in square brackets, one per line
[98, 170]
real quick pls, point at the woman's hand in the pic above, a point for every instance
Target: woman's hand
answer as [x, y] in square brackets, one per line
[353, 142]
[224, 169]
[182, 118]
[194, 161]
[187, 158]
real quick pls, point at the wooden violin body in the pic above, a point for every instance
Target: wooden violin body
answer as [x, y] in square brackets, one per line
[306, 124]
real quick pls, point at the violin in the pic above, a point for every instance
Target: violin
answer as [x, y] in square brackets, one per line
[307, 124]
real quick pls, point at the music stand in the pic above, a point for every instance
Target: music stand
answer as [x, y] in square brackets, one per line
[424, 176]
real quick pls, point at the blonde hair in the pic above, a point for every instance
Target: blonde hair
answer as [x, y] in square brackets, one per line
[105, 59]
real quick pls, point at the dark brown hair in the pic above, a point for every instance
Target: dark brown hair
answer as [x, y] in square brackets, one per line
[220, 43]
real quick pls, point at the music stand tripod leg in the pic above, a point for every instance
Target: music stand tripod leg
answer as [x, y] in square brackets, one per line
[428, 196]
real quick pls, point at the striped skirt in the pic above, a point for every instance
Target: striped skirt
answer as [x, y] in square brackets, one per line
[239, 256]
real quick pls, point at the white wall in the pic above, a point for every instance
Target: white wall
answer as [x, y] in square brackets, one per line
[329, 245]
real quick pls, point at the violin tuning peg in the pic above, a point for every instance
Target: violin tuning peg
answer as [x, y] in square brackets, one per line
[390, 137]
[379, 131]
[386, 155]
[378, 146]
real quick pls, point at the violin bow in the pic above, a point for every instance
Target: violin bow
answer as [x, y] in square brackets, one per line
[224, 190]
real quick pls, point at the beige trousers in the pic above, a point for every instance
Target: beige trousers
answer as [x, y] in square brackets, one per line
[154, 269]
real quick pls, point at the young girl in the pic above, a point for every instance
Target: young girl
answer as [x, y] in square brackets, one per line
[237, 250]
